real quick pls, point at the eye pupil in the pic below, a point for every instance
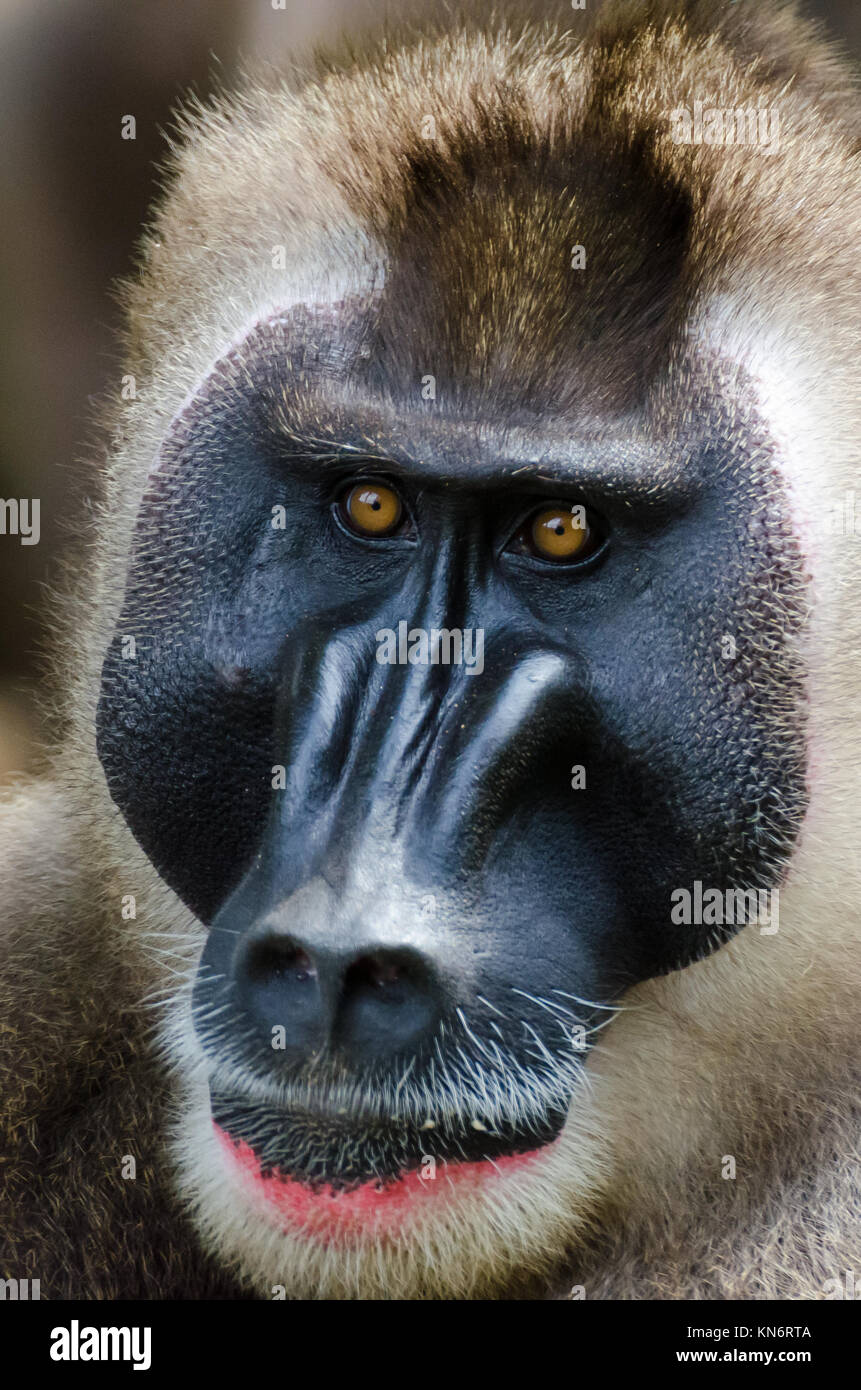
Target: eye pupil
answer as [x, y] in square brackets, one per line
[562, 533]
[371, 509]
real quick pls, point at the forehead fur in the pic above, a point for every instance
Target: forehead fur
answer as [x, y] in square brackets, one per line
[463, 169]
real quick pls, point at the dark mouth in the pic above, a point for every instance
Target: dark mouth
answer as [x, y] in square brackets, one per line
[340, 1152]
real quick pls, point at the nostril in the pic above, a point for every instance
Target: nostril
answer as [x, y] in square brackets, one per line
[389, 1000]
[284, 961]
[280, 990]
[301, 998]
[380, 972]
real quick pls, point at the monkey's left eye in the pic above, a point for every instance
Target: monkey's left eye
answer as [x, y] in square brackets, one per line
[373, 510]
[562, 534]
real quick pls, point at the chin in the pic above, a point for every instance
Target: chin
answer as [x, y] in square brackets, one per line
[446, 1229]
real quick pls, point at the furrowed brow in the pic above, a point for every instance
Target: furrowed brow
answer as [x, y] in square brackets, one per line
[473, 457]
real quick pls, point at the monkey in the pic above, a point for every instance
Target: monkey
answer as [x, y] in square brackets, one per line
[443, 879]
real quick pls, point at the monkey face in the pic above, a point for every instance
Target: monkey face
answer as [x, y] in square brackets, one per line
[427, 719]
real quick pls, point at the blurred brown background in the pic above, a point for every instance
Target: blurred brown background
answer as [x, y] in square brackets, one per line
[73, 195]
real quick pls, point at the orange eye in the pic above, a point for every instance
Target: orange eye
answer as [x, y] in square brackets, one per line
[371, 509]
[562, 533]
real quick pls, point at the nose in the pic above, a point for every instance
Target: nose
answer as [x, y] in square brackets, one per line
[361, 1004]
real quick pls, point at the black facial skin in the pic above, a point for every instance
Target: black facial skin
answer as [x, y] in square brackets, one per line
[458, 905]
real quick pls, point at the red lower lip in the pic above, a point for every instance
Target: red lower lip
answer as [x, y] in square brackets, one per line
[326, 1213]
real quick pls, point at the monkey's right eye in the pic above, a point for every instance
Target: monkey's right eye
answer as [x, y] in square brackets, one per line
[373, 510]
[561, 535]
